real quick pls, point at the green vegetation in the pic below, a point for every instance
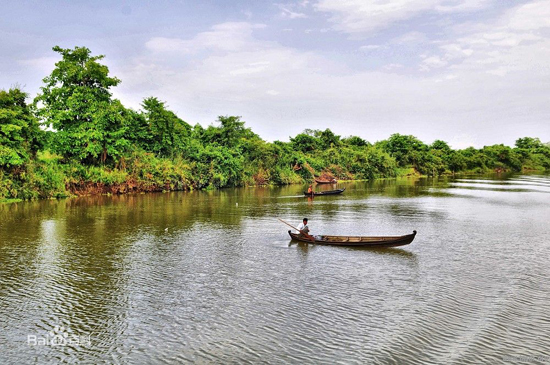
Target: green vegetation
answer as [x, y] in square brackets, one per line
[90, 143]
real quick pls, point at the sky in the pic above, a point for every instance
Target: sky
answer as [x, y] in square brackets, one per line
[469, 72]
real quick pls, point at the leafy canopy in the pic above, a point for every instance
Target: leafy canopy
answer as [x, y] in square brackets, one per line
[77, 102]
[169, 134]
[20, 135]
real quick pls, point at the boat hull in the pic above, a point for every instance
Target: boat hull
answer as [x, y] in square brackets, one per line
[322, 193]
[387, 241]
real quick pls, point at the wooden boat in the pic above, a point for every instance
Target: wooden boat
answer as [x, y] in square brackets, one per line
[333, 181]
[328, 192]
[373, 241]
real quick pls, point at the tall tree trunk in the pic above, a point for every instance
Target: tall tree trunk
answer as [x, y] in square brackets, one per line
[104, 155]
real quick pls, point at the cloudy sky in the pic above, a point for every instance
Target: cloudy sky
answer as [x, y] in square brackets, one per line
[470, 72]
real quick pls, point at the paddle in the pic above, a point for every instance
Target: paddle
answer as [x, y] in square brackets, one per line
[291, 226]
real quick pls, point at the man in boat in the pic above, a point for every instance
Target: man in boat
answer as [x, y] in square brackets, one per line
[304, 230]
[310, 191]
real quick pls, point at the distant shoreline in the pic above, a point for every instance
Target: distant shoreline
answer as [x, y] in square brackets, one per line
[77, 139]
[102, 190]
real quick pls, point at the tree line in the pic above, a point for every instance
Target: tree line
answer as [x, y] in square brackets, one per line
[76, 138]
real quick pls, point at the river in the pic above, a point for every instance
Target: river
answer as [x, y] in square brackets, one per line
[212, 277]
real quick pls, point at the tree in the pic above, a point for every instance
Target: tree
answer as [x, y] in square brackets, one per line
[355, 141]
[329, 139]
[405, 149]
[20, 135]
[304, 142]
[534, 154]
[529, 143]
[76, 101]
[229, 133]
[138, 131]
[502, 157]
[440, 146]
[325, 139]
[232, 129]
[169, 134]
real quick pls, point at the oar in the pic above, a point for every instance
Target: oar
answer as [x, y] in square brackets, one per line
[291, 226]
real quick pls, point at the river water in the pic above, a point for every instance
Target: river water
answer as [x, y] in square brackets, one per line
[211, 277]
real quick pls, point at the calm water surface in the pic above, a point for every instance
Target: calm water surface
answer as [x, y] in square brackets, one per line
[211, 276]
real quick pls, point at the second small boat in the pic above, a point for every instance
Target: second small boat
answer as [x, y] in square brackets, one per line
[328, 192]
[330, 181]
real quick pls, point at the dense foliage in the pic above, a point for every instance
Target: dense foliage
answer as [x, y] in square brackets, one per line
[91, 143]
[20, 135]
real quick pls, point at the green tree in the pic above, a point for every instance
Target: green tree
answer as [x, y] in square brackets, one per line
[529, 143]
[328, 139]
[77, 102]
[20, 135]
[230, 132]
[138, 132]
[440, 146]
[169, 134]
[355, 141]
[405, 149]
[232, 129]
[456, 161]
[304, 142]
[534, 154]
[501, 157]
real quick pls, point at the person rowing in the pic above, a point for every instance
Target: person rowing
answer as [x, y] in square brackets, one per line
[304, 230]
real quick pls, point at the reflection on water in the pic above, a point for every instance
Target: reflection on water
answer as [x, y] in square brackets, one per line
[214, 277]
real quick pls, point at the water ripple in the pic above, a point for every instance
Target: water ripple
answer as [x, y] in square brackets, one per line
[195, 277]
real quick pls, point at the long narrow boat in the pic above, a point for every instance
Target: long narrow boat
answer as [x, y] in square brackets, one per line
[333, 181]
[373, 241]
[328, 192]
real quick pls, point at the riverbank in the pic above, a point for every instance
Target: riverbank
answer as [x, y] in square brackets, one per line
[48, 175]
[96, 145]
[47, 179]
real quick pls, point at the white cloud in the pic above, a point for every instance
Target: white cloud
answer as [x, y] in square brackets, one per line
[446, 78]
[393, 66]
[368, 16]
[251, 68]
[413, 37]
[44, 65]
[487, 77]
[291, 14]
[500, 71]
[224, 37]
[315, 92]
[463, 140]
[432, 62]
[369, 47]
[461, 5]
[515, 42]
[452, 52]
[532, 16]
[288, 10]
